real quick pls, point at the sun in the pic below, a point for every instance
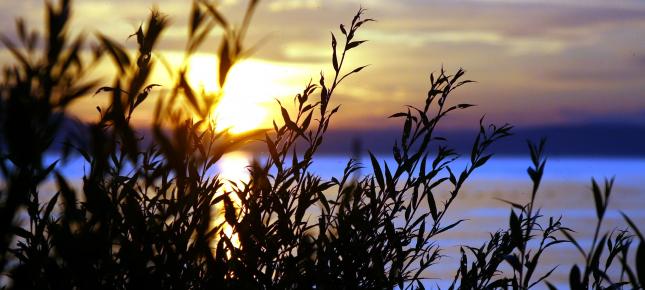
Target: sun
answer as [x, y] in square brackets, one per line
[248, 96]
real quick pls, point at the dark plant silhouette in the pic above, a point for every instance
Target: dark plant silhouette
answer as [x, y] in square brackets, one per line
[34, 94]
[156, 214]
[512, 245]
[614, 245]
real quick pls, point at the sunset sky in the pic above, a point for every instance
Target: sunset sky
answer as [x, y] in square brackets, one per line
[535, 62]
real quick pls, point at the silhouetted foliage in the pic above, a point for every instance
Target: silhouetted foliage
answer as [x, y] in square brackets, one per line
[157, 215]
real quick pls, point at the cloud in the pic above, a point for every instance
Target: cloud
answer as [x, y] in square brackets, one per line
[282, 5]
[514, 45]
[533, 60]
[512, 19]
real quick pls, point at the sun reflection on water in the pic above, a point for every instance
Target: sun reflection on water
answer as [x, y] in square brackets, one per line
[232, 169]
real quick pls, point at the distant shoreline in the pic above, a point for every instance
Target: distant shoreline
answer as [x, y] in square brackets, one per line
[597, 140]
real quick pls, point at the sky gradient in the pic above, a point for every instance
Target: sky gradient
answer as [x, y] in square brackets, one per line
[536, 63]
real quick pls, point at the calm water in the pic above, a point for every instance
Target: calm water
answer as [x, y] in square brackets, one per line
[565, 192]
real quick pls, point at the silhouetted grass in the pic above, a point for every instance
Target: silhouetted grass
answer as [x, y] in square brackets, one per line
[152, 215]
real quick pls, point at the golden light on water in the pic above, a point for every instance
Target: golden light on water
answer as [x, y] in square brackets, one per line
[248, 99]
[232, 167]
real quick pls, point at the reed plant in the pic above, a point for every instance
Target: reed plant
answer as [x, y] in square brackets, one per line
[151, 211]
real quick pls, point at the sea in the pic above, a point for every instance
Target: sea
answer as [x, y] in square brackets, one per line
[565, 193]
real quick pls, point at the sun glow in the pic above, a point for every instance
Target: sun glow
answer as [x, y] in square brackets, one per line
[247, 102]
[251, 87]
